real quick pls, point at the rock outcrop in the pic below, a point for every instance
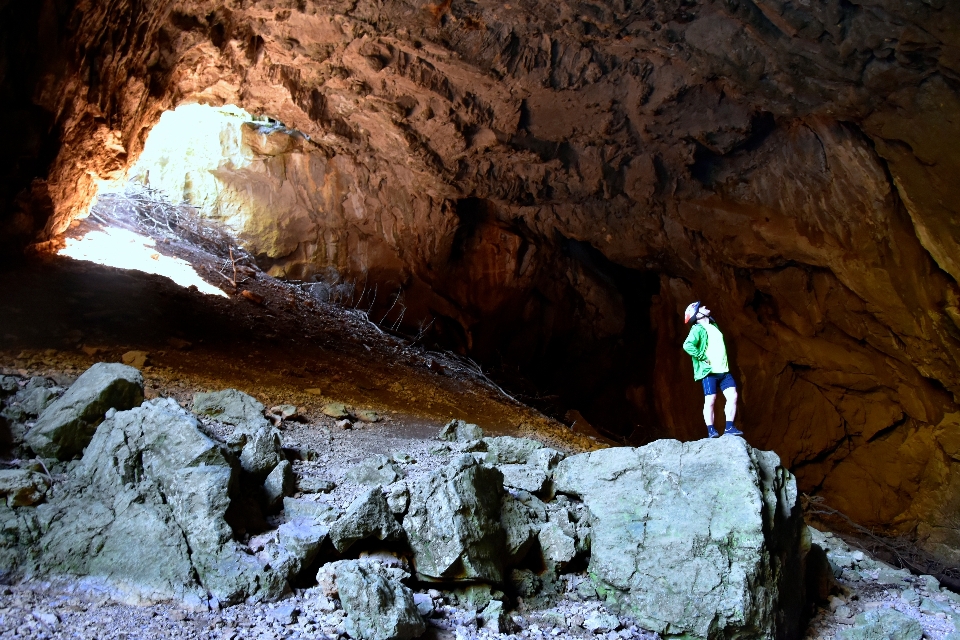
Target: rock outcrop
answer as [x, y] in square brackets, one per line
[378, 605]
[701, 539]
[66, 426]
[145, 511]
[453, 523]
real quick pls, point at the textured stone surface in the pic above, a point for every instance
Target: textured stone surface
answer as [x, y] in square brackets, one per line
[460, 431]
[377, 605]
[145, 510]
[22, 487]
[518, 170]
[374, 471]
[231, 407]
[701, 538]
[368, 517]
[453, 523]
[882, 624]
[66, 426]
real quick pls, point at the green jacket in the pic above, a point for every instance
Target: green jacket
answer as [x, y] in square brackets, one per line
[696, 346]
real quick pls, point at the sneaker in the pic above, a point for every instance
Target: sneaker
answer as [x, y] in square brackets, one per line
[711, 432]
[732, 431]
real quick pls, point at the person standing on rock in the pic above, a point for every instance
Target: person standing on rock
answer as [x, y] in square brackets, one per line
[705, 345]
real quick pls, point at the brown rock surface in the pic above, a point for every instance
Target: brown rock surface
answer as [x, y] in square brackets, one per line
[556, 181]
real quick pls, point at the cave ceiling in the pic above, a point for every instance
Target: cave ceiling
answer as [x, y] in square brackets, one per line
[532, 172]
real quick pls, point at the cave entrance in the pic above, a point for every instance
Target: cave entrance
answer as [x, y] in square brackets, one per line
[172, 190]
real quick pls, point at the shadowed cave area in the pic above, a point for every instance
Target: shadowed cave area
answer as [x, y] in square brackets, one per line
[543, 188]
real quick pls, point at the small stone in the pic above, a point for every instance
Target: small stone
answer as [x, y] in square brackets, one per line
[335, 410]
[493, 617]
[424, 604]
[344, 424]
[398, 497]
[284, 411]
[930, 583]
[22, 487]
[366, 415]
[314, 484]
[586, 590]
[373, 471]
[135, 359]
[599, 622]
[401, 457]
[47, 618]
[284, 614]
[910, 596]
[279, 483]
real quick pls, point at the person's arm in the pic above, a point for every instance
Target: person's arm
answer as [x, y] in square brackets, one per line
[696, 344]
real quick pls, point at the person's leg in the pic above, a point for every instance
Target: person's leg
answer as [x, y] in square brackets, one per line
[729, 388]
[708, 402]
[730, 408]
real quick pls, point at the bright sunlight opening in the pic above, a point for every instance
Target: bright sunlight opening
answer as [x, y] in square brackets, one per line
[125, 249]
[179, 157]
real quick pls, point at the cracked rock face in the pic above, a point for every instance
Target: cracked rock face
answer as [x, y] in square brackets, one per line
[144, 511]
[538, 175]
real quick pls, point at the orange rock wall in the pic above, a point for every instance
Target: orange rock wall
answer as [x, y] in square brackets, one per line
[511, 165]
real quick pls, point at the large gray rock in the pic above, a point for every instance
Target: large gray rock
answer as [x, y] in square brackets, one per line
[312, 510]
[520, 526]
[38, 394]
[453, 523]
[66, 426]
[510, 450]
[700, 539]
[19, 531]
[882, 624]
[375, 471]
[377, 604]
[460, 431]
[279, 484]
[368, 517]
[298, 543]
[230, 406]
[144, 510]
[262, 451]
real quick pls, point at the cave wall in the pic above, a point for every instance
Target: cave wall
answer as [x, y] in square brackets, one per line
[789, 163]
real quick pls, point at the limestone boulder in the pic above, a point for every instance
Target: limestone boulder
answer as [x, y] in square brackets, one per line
[510, 450]
[377, 604]
[297, 545]
[38, 394]
[702, 539]
[262, 451]
[374, 471]
[368, 517]
[453, 523]
[279, 483]
[882, 624]
[460, 431]
[145, 511]
[66, 426]
[231, 406]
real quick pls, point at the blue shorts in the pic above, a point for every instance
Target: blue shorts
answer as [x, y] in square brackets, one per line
[713, 380]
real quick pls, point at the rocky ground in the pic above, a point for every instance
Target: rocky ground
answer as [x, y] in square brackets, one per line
[340, 391]
[88, 609]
